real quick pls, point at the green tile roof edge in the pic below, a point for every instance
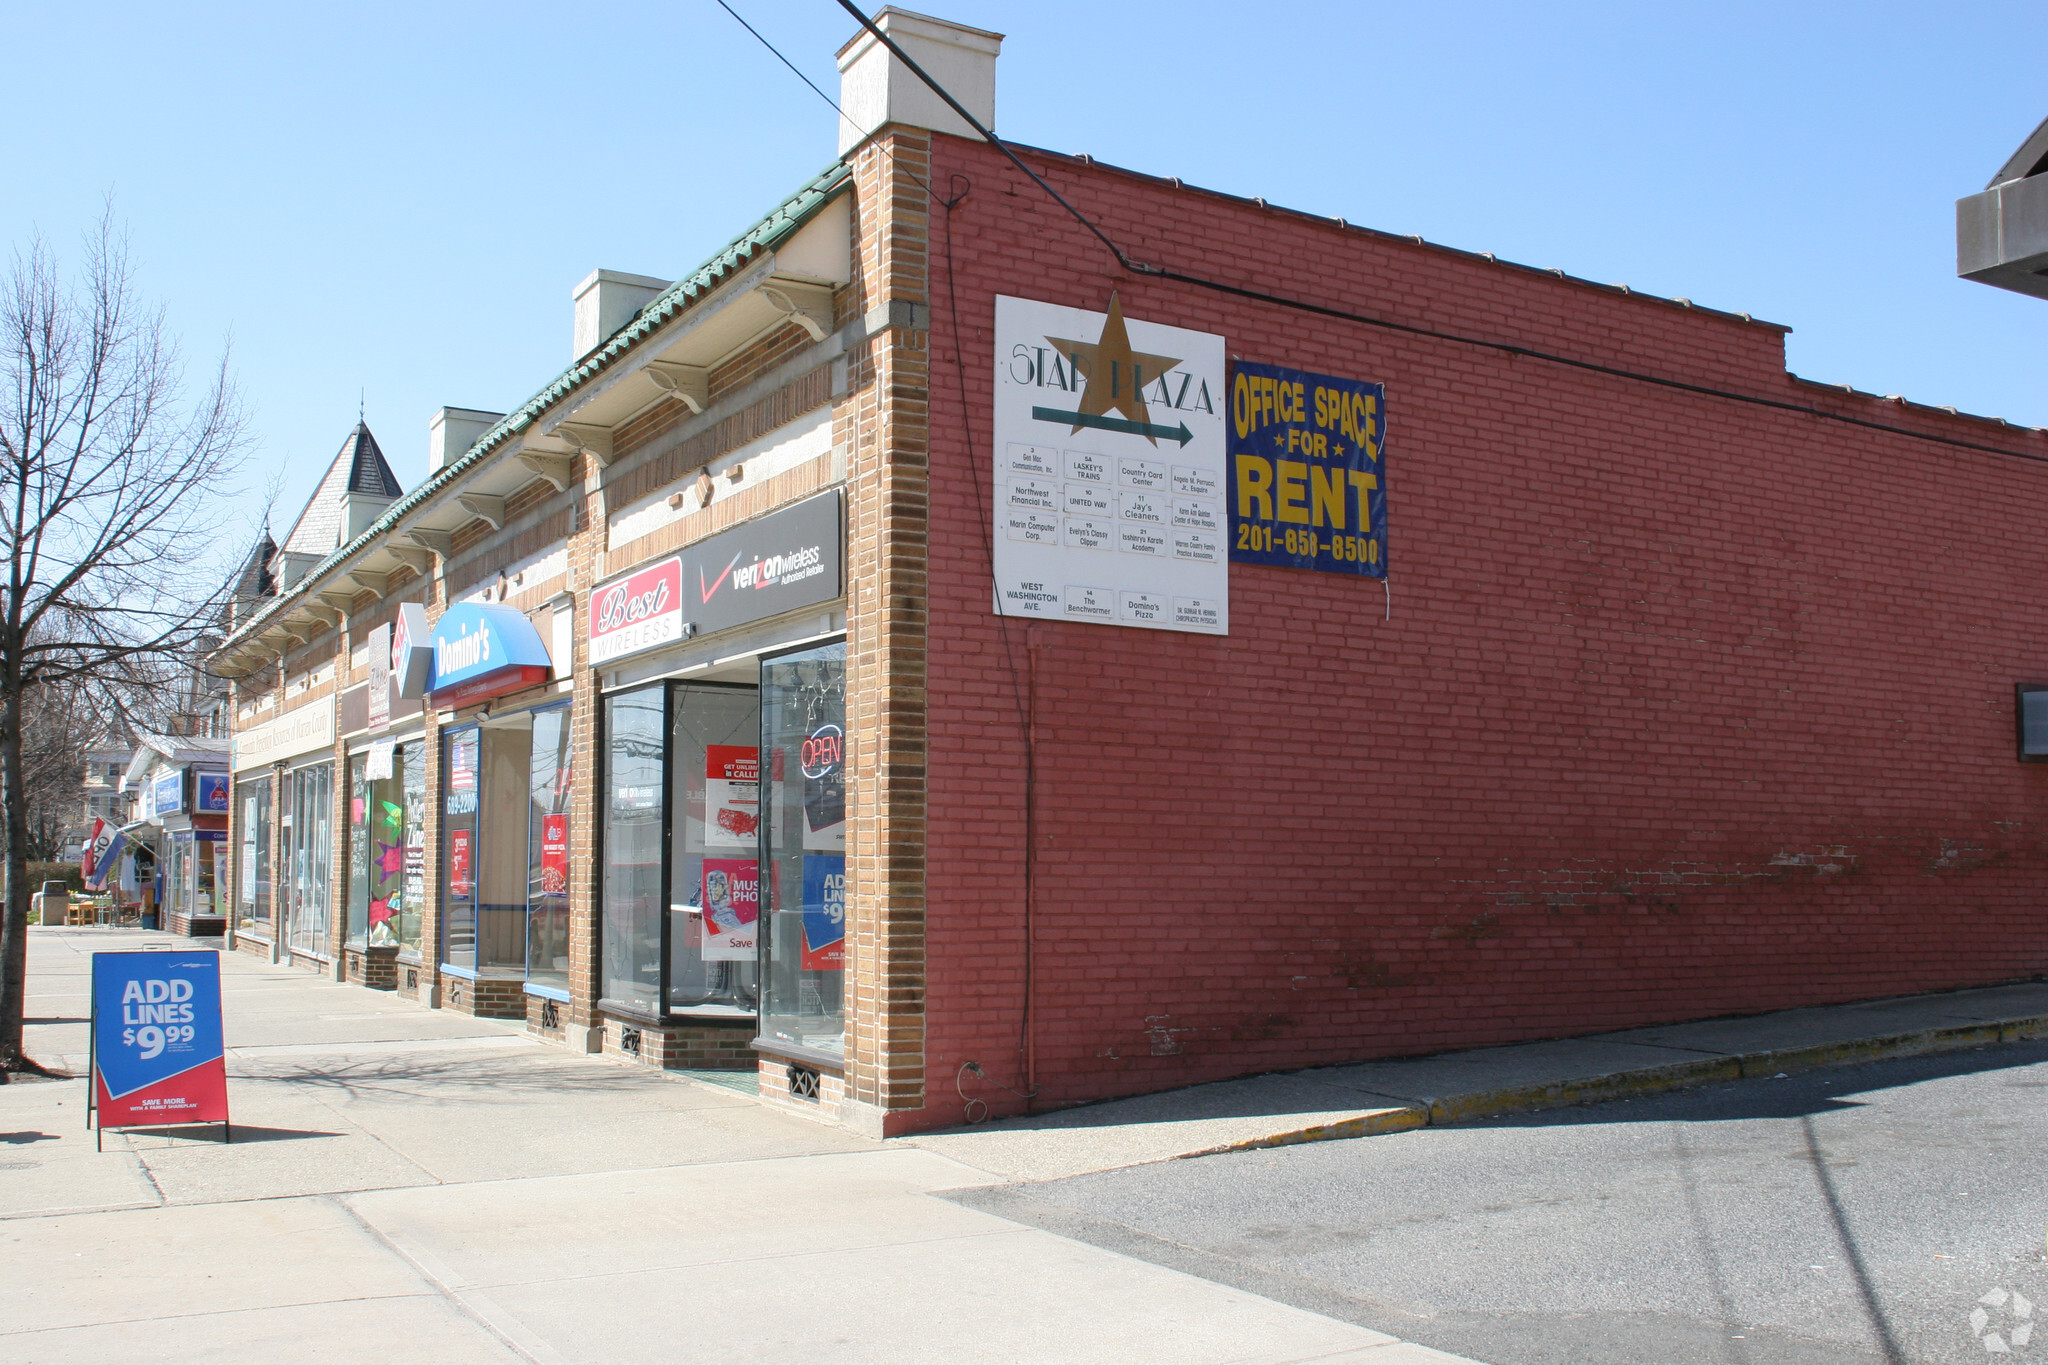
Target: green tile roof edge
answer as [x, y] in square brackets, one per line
[771, 231]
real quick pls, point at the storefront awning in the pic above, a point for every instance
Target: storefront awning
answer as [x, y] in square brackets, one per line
[484, 650]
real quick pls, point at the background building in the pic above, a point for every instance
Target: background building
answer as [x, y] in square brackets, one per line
[2002, 232]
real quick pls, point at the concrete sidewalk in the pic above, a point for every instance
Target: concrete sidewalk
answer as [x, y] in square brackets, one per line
[1387, 1097]
[413, 1184]
[408, 1185]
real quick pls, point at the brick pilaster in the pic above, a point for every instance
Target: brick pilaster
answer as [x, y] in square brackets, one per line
[888, 500]
[586, 880]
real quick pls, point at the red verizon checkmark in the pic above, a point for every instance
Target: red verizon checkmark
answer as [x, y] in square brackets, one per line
[716, 582]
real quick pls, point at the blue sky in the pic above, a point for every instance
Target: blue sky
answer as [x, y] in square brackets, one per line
[397, 200]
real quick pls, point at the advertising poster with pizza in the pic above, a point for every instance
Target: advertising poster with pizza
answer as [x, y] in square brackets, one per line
[732, 796]
[554, 855]
[731, 905]
[459, 882]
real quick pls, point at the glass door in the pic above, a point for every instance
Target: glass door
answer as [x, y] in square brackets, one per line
[714, 900]
[682, 849]
[310, 853]
[206, 845]
[252, 899]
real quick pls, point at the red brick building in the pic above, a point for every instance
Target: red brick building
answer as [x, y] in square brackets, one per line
[1688, 690]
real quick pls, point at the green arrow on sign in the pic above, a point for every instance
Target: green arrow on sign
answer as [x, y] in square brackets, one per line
[1089, 419]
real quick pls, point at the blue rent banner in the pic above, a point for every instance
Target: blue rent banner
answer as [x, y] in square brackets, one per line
[1307, 487]
[158, 1055]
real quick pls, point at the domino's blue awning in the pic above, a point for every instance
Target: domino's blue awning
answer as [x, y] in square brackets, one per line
[485, 650]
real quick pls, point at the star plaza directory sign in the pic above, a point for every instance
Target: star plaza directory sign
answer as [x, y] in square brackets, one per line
[1109, 470]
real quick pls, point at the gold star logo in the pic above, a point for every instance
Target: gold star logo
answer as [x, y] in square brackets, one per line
[1117, 375]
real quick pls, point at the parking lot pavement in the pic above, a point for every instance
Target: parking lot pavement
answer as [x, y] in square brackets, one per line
[1893, 1211]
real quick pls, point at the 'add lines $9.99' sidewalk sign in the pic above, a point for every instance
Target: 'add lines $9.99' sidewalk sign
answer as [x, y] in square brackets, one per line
[157, 1054]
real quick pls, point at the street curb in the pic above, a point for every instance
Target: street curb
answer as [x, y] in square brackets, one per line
[1643, 1081]
[1396, 1120]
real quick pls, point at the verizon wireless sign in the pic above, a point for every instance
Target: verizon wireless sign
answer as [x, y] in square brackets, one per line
[781, 562]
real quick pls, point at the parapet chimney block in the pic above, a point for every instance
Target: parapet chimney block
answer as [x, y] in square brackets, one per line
[875, 89]
[607, 301]
[452, 431]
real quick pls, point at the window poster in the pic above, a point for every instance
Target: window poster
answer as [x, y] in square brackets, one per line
[1109, 470]
[415, 865]
[731, 907]
[732, 796]
[823, 760]
[459, 881]
[462, 764]
[554, 855]
[249, 851]
[824, 912]
[387, 836]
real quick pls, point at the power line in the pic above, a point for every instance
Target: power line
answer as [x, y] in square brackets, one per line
[921, 184]
[784, 60]
[1124, 260]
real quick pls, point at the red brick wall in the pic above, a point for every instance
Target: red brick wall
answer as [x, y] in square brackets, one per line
[1686, 707]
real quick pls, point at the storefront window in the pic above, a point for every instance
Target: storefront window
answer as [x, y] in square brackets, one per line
[550, 779]
[714, 857]
[803, 740]
[387, 845]
[460, 749]
[636, 736]
[507, 846]
[253, 830]
[309, 845]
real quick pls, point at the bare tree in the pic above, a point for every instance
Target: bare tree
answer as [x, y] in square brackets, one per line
[60, 721]
[111, 492]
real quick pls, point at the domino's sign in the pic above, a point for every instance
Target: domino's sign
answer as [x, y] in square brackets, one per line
[484, 650]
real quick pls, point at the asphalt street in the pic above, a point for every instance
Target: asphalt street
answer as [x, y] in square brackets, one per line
[1896, 1211]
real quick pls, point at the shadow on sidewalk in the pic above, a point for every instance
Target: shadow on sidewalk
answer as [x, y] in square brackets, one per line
[1804, 1094]
[513, 1080]
[244, 1133]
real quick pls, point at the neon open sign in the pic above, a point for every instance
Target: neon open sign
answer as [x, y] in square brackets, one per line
[823, 751]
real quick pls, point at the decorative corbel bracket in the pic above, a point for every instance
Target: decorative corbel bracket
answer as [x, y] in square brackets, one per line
[596, 442]
[809, 306]
[441, 543]
[369, 580]
[489, 506]
[689, 385]
[553, 468]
